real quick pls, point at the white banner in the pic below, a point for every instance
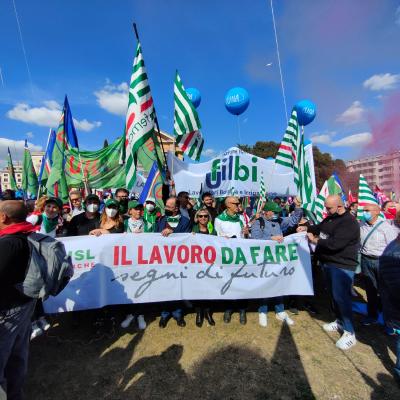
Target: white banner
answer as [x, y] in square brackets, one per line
[143, 268]
[235, 170]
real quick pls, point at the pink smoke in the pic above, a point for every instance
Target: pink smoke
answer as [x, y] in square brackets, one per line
[385, 127]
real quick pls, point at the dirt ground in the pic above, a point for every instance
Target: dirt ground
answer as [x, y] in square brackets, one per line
[228, 361]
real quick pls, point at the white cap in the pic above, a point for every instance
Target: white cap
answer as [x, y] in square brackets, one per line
[151, 199]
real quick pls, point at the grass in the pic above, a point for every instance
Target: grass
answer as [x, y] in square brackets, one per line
[228, 361]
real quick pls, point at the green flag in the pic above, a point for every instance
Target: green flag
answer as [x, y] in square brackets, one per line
[11, 171]
[29, 178]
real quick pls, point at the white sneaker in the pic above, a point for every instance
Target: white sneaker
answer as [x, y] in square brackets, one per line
[141, 322]
[44, 324]
[262, 319]
[334, 326]
[127, 321]
[36, 330]
[282, 316]
[346, 341]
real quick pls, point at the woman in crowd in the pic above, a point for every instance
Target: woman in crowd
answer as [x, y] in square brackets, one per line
[111, 220]
[134, 224]
[203, 225]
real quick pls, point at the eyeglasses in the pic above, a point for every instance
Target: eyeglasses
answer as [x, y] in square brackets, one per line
[202, 216]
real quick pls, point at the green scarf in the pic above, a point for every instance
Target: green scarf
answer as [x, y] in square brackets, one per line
[149, 219]
[49, 224]
[173, 221]
[230, 218]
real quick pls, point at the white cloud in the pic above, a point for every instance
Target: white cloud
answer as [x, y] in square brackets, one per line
[354, 114]
[85, 125]
[16, 148]
[321, 139]
[358, 139]
[113, 98]
[209, 153]
[47, 115]
[30, 135]
[382, 81]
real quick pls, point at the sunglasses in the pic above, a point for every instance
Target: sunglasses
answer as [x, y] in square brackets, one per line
[202, 216]
[235, 204]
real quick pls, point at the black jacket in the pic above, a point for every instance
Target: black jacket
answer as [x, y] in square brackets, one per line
[339, 241]
[389, 283]
[14, 259]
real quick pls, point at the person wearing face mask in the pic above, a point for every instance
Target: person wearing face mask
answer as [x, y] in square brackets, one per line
[84, 223]
[337, 241]
[389, 210]
[173, 222]
[48, 222]
[269, 226]
[111, 220]
[376, 233]
[150, 215]
[122, 196]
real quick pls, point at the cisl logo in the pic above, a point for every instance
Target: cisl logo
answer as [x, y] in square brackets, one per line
[229, 168]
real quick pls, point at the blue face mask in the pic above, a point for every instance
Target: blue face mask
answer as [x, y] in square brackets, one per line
[367, 216]
[275, 217]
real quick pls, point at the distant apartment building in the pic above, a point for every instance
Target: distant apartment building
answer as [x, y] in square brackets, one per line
[5, 176]
[382, 170]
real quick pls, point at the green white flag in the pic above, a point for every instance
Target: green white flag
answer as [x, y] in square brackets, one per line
[140, 117]
[263, 194]
[29, 178]
[365, 196]
[186, 122]
[329, 187]
[11, 171]
[291, 154]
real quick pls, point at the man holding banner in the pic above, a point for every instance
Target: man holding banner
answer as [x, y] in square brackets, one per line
[230, 225]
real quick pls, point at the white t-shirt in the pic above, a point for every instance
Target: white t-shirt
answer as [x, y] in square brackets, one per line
[228, 228]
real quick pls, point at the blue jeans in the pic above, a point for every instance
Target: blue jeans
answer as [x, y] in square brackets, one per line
[370, 269]
[339, 282]
[15, 332]
[276, 301]
[397, 366]
[177, 314]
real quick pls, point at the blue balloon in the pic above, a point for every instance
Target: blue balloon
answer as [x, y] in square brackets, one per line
[237, 100]
[306, 112]
[194, 96]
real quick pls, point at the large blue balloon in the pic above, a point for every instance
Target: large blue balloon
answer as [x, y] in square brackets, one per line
[194, 96]
[237, 100]
[306, 112]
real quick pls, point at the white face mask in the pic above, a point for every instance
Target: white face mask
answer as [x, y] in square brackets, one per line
[111, 212]
[92, 208]
[149, 207]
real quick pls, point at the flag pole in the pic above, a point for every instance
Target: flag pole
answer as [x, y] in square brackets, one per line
[44, 159]
[155, 114]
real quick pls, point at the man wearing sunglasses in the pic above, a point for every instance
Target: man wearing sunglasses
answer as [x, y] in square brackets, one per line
[229, 224]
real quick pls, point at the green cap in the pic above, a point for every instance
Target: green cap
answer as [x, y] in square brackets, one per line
[272, 206]
[111, 202]
[134, 204]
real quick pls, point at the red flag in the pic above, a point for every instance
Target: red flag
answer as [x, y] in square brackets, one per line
[351, 198]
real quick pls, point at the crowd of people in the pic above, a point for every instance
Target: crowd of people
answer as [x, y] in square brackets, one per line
[341, 245]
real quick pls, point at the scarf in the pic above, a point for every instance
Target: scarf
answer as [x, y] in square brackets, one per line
[49, 224]
[230, 218]
[135, 225]
[173, 221]
[20, 227]
[149, 221]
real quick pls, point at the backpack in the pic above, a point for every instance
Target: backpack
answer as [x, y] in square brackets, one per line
[49, 269]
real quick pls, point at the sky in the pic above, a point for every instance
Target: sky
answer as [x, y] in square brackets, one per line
[342, 55]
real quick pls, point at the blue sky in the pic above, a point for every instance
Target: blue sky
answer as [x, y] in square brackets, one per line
[343, 55]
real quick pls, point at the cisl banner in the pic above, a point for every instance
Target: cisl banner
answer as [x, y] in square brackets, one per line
[235, 171]
[142, 268]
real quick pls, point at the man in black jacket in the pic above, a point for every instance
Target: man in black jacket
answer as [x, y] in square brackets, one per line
[337, 241]
[15, 309]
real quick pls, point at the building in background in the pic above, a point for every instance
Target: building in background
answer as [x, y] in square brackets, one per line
[382, 171]
[5, 176]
